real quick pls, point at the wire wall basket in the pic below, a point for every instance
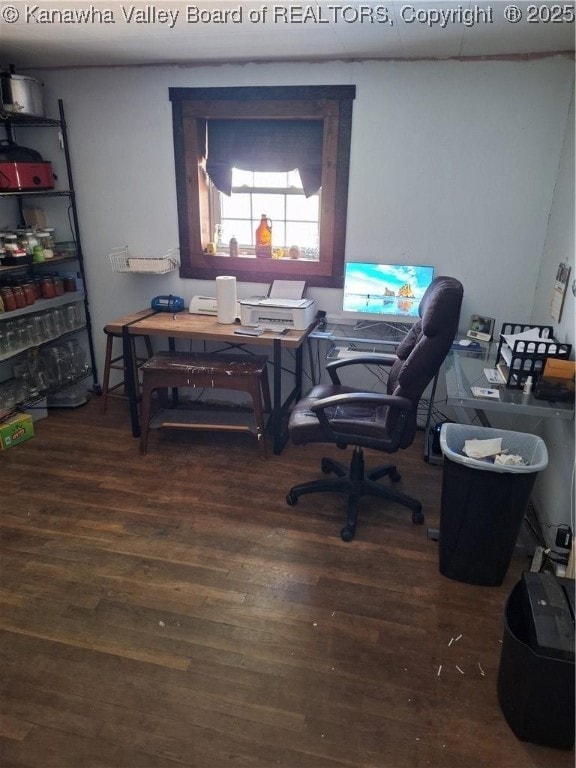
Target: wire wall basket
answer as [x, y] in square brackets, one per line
[122, 261]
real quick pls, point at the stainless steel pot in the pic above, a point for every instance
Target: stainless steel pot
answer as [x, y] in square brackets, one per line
[21, 95]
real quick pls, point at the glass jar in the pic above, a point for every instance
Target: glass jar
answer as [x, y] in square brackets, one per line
[38, 253]
[58, 285]
[29, 240]
[19, 297]
[8, 298]
[69, 284]
[29, 293]
[47, 288]
[10, 243]
[50, 242]
[22, 241]
[46, 240]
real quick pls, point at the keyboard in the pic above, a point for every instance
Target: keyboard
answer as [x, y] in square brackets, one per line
[346, 353]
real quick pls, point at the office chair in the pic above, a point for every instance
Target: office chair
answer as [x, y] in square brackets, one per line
[344, 415]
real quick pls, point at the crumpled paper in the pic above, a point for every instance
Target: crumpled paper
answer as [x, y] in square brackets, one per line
[491, 450]
[481, 449]
[510, 459]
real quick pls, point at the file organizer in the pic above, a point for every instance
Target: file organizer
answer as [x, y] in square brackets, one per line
[528, 356]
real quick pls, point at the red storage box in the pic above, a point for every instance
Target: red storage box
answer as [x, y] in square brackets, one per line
[26, 177]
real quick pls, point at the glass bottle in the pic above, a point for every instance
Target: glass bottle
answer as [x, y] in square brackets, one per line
[233, 247]
[264, 238]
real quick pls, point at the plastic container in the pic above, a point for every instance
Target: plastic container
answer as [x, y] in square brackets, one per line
[483, 504]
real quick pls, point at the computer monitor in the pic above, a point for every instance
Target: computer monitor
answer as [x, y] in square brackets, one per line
[384, 292]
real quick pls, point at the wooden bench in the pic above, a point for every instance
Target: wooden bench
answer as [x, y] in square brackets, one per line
[247, 373]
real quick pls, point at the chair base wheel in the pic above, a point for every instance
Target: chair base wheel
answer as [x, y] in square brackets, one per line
[291, 500]
[346, 534]
[417, 518]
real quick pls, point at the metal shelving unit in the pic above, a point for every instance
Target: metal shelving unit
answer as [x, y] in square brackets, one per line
[11, 122]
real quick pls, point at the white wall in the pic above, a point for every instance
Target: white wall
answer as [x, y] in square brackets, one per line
[554, 491]
[452, 164]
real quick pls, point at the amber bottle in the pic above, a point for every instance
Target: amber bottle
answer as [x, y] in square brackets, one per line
[264, 238]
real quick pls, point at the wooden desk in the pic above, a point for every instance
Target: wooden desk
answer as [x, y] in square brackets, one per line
[184, 325]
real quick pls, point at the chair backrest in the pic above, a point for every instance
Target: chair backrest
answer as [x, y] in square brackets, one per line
[424, 349]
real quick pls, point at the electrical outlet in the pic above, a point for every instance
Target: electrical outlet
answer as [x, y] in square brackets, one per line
[564, 538]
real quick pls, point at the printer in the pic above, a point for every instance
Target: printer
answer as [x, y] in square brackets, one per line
[283, 308]
[277, 313]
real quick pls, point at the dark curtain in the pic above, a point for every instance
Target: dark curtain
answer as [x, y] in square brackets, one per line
[265, 145]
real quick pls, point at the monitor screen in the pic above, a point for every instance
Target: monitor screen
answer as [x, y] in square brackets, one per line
[385, 292]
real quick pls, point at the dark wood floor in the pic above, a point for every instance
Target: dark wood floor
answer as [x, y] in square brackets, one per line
[171, 610]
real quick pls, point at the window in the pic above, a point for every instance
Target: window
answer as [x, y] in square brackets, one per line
[279, 196]
[243, 152]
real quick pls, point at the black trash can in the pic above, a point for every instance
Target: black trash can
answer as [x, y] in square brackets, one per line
[483, 504]
[536, 673]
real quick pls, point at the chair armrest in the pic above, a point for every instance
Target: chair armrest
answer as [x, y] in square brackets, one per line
[366, 359]
[372, 399]
[388, 442]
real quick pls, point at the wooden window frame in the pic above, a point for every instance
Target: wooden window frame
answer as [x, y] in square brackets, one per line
[192, 107]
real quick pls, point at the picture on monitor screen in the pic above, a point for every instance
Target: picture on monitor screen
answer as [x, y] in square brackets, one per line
[387, 292]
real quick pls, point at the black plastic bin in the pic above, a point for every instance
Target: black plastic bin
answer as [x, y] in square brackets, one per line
[483, 504]
[536, 673]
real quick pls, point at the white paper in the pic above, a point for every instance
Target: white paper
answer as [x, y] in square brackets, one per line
[287, 289]
[286, 303]
[510, 459]
[480, 449]
[532, 334]
[494, 376]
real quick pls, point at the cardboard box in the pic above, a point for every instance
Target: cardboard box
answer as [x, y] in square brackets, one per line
[557, 381]
[34, 217]
[15, 431]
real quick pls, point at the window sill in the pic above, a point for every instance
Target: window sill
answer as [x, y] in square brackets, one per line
[248, 268]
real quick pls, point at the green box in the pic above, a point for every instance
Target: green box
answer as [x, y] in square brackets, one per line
[15, 431]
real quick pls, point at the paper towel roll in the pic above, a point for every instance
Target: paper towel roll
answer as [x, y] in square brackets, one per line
[225, 299]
